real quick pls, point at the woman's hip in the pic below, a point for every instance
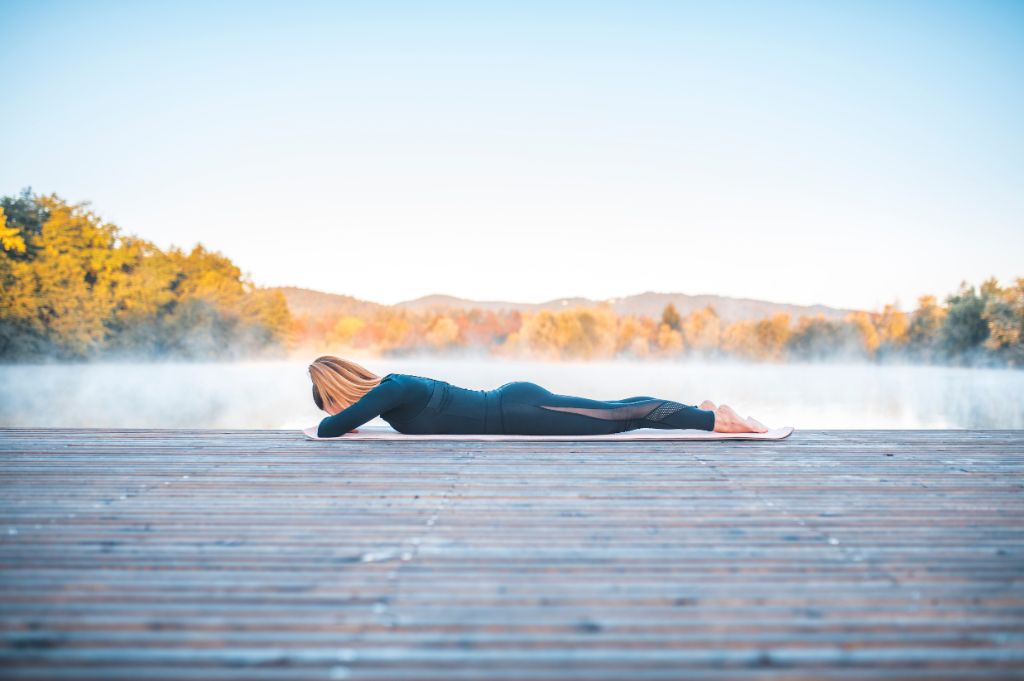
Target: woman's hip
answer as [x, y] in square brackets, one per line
[531, 409]
[522, 392]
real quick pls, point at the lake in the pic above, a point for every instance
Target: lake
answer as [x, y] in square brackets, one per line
[277, 394]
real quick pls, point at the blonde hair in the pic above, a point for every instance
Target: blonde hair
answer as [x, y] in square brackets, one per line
[339, 382]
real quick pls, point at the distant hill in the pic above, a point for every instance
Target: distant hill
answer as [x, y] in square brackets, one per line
[303, 301]
[308, 302]
[649, 304]
[728, 309]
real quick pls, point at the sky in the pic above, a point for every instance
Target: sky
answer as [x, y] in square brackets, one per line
[850, 154]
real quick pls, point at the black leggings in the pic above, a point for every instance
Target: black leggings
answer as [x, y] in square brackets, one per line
[529, 409]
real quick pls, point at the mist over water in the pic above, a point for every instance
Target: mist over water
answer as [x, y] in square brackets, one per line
[276, 394]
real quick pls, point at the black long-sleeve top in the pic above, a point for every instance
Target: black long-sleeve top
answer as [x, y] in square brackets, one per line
[396, 399]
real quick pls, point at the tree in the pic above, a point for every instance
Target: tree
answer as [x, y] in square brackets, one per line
[669, 340]
[862, 326]
[702, 330]
[344, 330]
[1004, 313]
[816, 338]
[9, 239]
[965, 329]
[892, 326]
[670, 317]
[26, 215]
[443, 333]
[772, 334]
[630, 337]
[925, 326]
[740, 339]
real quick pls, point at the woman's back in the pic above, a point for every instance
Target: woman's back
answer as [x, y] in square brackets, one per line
[413, 393]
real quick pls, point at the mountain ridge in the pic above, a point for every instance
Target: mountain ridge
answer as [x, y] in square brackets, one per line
[311, 302]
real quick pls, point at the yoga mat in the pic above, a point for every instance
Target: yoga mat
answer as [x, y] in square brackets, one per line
[389, 433]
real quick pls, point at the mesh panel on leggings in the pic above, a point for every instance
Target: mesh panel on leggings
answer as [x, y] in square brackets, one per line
[664, 411]
[623, 413]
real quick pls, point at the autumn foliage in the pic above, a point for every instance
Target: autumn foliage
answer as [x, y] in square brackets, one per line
[974, 327]
[75, 287]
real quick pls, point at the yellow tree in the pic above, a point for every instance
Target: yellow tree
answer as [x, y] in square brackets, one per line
[893, 326]
[740, 339]
[200, 304]
[21, 326]
[77, 275]
[669, 341]
[629, 336]
[587, 333]
[772, 334]
[9, 238]
[925, 323]
[702, 330]
[537, 336]
[396, 331]
[443, 333]
[344, 330]
[268, 310]
[862, 325]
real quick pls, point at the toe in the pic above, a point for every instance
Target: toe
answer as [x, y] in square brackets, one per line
[761, 428]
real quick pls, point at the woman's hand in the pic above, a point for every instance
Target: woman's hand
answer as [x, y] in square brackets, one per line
[728, 421]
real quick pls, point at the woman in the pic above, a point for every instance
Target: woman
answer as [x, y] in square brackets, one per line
[418, 405]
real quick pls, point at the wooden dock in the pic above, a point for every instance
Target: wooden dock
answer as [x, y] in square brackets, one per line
[144, 554]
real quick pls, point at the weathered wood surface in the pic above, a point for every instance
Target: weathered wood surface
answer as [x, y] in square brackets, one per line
[259, 554]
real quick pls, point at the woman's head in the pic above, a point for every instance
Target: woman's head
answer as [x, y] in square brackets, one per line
[338, 383]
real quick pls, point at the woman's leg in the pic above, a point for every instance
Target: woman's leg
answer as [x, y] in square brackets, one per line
[530, 409]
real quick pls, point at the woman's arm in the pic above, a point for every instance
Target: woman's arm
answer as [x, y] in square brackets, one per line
[384, 396]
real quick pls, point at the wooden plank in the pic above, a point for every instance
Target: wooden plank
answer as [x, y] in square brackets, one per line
[150, 554]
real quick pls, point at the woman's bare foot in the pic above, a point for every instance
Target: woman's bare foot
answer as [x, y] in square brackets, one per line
[728, 421]
[707, 404]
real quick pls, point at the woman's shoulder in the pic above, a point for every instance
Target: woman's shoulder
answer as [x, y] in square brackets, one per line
[408, 377]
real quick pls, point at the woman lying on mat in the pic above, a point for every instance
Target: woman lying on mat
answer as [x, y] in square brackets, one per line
[417, 405]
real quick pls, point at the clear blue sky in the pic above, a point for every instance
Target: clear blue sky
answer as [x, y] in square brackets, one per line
[851, 154]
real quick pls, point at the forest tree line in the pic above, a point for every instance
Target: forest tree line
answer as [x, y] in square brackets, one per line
[974, 327]
[76, 288]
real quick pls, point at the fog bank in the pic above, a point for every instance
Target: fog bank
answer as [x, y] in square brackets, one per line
[276, 394]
